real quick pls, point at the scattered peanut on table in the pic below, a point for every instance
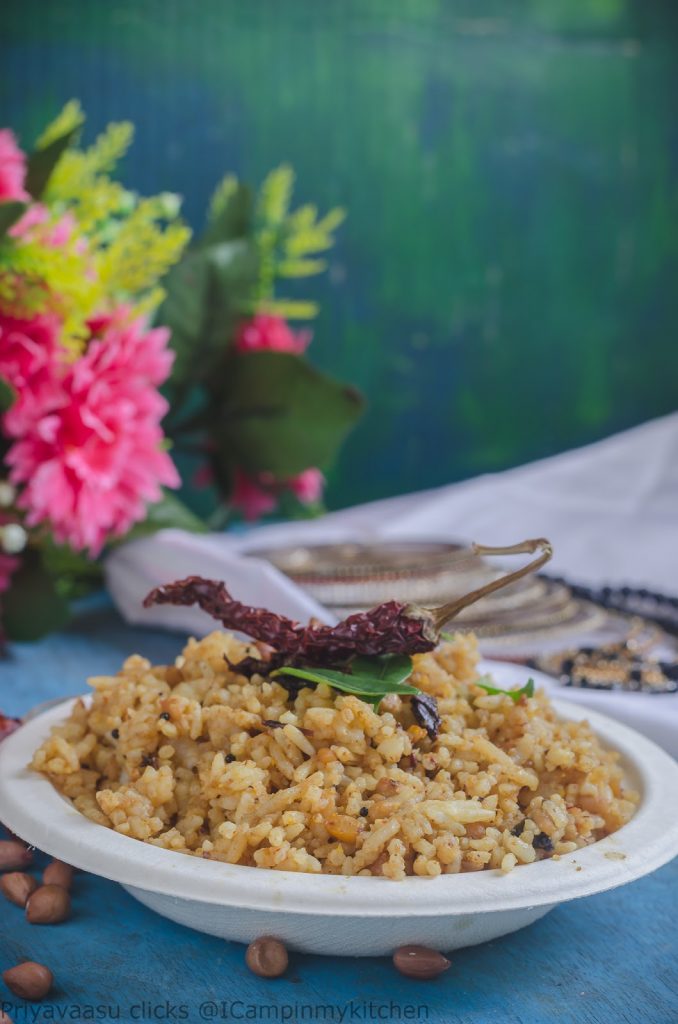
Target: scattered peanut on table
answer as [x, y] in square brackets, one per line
[17, 886]
[420, 962]
[58, 873]
[14, 856]
[50, 904]
[267, 957]
[29, 980]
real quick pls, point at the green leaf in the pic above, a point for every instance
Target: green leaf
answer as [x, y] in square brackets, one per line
[230, 214]
[7, 395]
[273, 412]
[301, 268]
[205, 294]
[167, 514]
[291, 309]
[309, 240]
[76, 573]
[44, 158]
[370, 678]
[390, 668]
[526, 691]
[332, 219]
[33, 605]
[448, 637]
[10, 212]
[275, 195]
[69, 117]
[303, 217]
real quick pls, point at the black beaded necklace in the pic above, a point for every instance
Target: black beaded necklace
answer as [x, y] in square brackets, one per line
[622, 666]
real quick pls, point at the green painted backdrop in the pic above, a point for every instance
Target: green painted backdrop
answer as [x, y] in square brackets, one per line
[506, 285]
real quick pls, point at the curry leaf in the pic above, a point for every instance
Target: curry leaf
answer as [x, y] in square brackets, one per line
[526, 691]
[371, 678]
[389, 668]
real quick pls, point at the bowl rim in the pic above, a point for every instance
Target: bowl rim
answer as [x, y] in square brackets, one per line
[32, 809]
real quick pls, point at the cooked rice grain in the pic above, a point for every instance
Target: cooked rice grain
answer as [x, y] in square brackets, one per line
[186, 758]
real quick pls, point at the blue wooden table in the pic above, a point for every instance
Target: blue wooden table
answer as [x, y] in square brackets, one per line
[609, 959]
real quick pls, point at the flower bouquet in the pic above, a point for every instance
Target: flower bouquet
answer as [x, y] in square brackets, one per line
[84, 453]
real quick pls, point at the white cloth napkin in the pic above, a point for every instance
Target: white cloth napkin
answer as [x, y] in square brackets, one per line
[610, 509]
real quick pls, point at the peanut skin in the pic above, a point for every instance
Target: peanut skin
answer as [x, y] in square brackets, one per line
[58, 873]
[50, 904]
[17, 886]
[29, 980]
[420, 962]
[14, 856]
[267, 957]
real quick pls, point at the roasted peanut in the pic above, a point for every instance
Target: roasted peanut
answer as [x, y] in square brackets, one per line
[420, 962]
[387, 787]
[50, 904]
[29, 980]
[14, 856]
[474, 830]
[342, 827]
[17, 886]
[58, 873]
[267, 957]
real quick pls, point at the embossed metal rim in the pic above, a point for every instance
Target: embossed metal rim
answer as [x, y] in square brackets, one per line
[32, 808]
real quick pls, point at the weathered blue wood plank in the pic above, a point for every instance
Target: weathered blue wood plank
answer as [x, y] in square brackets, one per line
[610, 959]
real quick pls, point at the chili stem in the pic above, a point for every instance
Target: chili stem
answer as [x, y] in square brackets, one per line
[442, 615]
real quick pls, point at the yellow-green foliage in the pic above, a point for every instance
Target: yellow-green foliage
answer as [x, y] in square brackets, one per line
[141, 251]
[34, 277]
[78, 170]
[288, 240]
[70, 118]
[222, 195]
[120, 245]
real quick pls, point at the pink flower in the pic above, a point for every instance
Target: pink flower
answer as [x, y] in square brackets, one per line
[256, 496]
[12, 168]
[272, 333]
[250, 497]
[92, 461]
[36, 218]
[29, 360]
[308, 486]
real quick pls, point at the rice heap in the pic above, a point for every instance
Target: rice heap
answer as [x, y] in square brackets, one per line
[197, 758]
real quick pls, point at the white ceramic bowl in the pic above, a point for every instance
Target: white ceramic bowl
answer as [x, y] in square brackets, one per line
[348, 916]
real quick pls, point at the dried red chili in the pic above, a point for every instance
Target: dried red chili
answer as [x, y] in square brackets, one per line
[390, 628]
